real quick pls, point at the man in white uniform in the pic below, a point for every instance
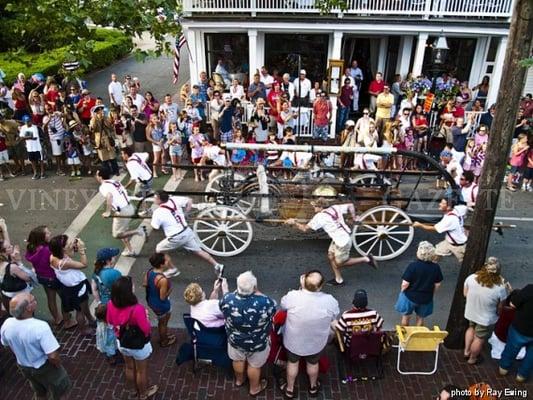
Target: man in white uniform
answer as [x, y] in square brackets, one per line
[117, 201]
[302, 89]
[169, 216]
[140, 175]
[451, 225]
[331, 220]
[30, 135]
[36, 349]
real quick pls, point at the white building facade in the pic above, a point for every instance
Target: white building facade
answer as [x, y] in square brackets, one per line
[388, 36]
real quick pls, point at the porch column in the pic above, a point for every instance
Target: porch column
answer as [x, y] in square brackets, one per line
[336, 50]
[260, 53]
[404, 55]
[382, 55]
[479, 60]
[252, 53]
[194, 69]
[419, 54]
[497, 73]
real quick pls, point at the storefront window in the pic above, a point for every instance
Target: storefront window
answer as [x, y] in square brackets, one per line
[281, 52]
[228, 51]
[459, 60]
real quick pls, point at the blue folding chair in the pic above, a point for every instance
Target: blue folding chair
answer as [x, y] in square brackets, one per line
[208, 346]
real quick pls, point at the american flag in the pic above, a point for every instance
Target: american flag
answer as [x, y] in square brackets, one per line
[176, 67]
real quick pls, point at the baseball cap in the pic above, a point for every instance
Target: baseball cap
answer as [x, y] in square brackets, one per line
[85, 91]
[97, 108]
[107, 253]
[446, 153]
[349, 123]
[302, 72]
[26, 118]
[360, 298]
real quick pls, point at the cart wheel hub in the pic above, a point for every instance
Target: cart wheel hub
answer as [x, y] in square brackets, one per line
[382, 232]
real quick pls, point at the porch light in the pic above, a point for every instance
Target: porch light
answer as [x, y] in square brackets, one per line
[440, 49]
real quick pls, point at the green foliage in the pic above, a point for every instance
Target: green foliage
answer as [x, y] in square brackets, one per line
[329, 6]
[42, 25]
[108, 45]
[526, 62]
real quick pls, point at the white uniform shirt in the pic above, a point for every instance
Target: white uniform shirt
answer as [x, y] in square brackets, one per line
[304, 87]
[169, 216]
[267, 80]
[470, 194]
[34, 144]
[331, 220]
[117, 191]
[214, 154]
[30, 339]
[137, 167]
[309, 316]
[452, 226]
[115, 89]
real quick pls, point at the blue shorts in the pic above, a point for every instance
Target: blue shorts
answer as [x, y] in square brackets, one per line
[406, 307]
[176, 151]
[514, 169]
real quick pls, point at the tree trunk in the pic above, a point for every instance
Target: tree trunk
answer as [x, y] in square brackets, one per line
[500, 139]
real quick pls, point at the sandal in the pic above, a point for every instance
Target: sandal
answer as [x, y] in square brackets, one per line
[477, 361]
[149, 393]
[239, 384]
[287, 394]
[264, 385]
[171, 339]
[313, 391]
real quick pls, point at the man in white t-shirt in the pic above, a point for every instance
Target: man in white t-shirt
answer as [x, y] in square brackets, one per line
[138, 99]
[117, 201]
[115, 91]
[35, 347]
[212, 152]
[267, 79]
[170, 109]
[140, 175]
[169, 216]
[469, 189]
[30, 135]
[451, 225]
[331, 220]
[302, 89]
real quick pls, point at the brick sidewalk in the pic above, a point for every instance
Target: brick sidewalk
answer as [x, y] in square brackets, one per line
[93, 378]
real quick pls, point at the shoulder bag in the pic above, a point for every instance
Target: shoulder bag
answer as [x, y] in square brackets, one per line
[131, 336]
[12, 283]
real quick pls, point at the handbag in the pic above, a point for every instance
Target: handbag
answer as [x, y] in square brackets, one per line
[12, 283]
[131, 336]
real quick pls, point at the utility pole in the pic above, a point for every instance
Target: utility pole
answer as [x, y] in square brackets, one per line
[500, 139]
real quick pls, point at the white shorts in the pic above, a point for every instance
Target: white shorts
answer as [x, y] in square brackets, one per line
[4, 157]
[73, 161]
[342, 254]
[254, 359]
[136, 354]
[156, 148]
[121, 225]
[57, 147]
[445, 248]
[186, 240]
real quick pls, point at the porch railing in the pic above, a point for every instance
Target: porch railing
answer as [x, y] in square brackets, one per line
[421, 8]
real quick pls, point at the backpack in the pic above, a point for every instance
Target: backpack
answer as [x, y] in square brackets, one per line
[12, 283]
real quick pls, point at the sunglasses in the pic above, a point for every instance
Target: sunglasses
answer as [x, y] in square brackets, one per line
[365, 113]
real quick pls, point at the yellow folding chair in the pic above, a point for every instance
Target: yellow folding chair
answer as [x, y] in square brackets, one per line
[419, 338]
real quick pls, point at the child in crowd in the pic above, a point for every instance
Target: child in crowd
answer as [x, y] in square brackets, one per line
[238, 155]
[288, 134]
[528, 175]
[72, 153]
[469, 155]
[197, 151]
[519, 152]
[4, 158]
[184, 125]
[175, 149]
[271, 155]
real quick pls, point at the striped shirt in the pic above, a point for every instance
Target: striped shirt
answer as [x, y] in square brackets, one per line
[358, 320]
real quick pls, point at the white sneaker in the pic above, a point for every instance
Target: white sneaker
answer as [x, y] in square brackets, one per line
[529, 188]
[524, 188]
[127, 253]
[173, 272]
[219, 270]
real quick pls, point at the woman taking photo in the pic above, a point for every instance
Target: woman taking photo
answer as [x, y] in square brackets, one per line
[38, 253]
[75, 288]
[215, 106]
[155, 135]
[260, 121]
[36, 107]
[150, 105]
[420, 125]
[132, 328]
[482, 90]
[17, 278]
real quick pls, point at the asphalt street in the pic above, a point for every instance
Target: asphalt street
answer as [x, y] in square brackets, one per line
[277, 255]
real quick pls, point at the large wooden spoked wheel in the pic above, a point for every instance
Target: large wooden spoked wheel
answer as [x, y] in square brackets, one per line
[223, 238]
[223, 185]
[386, 241]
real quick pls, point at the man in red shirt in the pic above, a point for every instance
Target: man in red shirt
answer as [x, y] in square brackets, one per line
[322, 112]
[459, 111]
[375, 88]
[344, 102]
[274, 98]
[85, 106]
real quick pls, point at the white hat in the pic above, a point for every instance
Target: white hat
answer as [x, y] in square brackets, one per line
[302, 72]
[349, 123]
